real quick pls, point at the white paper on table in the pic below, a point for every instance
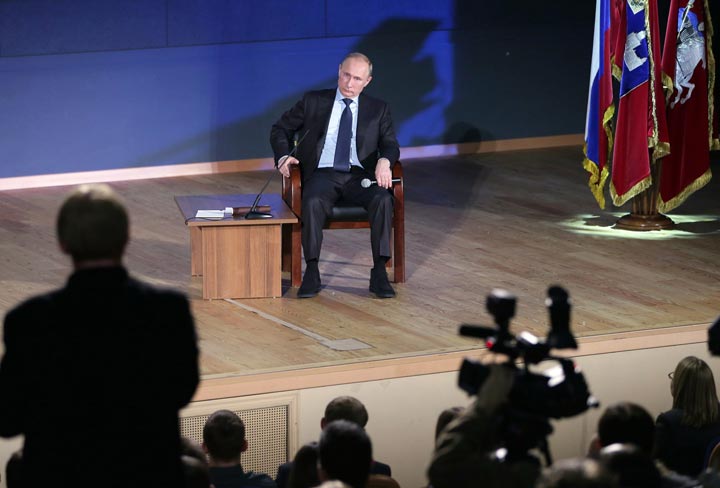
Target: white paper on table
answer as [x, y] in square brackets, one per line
[210, 214]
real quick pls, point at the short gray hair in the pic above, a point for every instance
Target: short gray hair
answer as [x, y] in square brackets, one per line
[362, 57]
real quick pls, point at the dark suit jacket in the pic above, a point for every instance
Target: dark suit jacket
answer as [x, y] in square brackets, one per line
[375, 137]
[680, 447]
[236, 477]
[283, 474]
[94, 375]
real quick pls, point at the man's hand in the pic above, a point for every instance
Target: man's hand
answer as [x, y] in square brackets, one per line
[383, 175]
[284, 165]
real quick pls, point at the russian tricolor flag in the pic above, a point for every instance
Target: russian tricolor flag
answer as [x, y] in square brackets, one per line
[600, 109]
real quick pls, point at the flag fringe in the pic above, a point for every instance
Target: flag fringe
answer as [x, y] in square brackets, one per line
[598, 177]
[660, 150]
[678, 199]
[714, 143]
[639, 187]
[597, 180]
[658, 147]
[616, 70]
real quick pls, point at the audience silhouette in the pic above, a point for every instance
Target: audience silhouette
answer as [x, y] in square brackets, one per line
[224, 441]
[685, 432]
[94, 373]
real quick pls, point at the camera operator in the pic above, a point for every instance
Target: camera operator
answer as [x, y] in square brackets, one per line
[490, 444]
[465, 452]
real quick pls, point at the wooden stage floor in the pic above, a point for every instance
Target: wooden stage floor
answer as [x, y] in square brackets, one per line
[518, 220]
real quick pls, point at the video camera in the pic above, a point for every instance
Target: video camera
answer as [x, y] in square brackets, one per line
[557, 392]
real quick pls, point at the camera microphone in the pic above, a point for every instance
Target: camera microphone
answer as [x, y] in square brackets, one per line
[559, 304]
[367, 182]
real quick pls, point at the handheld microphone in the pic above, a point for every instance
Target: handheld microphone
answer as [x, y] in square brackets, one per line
[367, 182]
[253, 214]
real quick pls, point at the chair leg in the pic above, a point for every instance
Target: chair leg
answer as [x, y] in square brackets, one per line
[286, 247]
[399, 251]
[389, 262]
[296, 255]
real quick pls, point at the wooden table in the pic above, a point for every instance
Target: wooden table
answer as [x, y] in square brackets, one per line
[237, 258]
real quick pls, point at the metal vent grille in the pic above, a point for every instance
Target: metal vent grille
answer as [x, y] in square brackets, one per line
[267, 430]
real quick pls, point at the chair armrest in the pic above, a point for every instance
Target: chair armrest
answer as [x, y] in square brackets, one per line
[291, 189]
[397, 188]
[397, 171]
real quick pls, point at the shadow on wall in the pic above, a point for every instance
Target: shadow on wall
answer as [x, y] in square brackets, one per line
[400, 80]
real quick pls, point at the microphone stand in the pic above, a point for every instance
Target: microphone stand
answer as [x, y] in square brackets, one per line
[253, 213]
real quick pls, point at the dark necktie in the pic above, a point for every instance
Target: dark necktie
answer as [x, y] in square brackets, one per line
[342, 148]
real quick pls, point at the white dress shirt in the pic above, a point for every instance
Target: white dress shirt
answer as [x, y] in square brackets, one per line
[327, 157]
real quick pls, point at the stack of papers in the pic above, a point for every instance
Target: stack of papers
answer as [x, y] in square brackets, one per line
[213, 214]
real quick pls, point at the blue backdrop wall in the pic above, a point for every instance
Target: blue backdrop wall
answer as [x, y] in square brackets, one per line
[101, 84]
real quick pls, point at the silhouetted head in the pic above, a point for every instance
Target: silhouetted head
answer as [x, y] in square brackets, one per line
[224, 437]
[345, 408]
[631, 466]
[93, 225]
[576, 473]
[304, 473]
[344, 453]
[627, 423]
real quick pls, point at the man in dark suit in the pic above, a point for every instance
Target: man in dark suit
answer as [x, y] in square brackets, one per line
[94, 373]
[344, 454]
[224, 442]
[346, 136]
[341, 408]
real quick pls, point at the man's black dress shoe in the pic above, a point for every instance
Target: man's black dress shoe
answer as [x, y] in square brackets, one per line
[380, 284]
[310, 285]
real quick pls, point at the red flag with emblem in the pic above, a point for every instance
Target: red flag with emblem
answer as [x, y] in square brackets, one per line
[689, 68]
[641, 136]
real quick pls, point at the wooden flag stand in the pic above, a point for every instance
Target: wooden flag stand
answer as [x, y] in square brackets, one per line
[644, 215]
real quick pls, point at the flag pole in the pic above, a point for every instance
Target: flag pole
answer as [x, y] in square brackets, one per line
[644, 214]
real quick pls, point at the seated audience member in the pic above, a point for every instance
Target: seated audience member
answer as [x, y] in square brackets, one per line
[445, 417]
[631, 466]
[685, 432]
[303, 473]
[340, 408]
[626, 423]
[576, 473]
[94, 373]
[224, 441]
[381, 481]
[464, 452]
[195, 464]
[344, 454]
